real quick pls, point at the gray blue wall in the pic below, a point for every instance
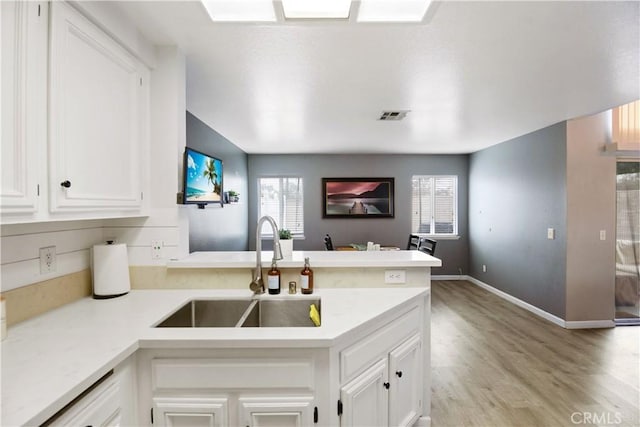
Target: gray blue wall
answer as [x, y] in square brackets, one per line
[517, 189]
[390, 231]
[216, 228]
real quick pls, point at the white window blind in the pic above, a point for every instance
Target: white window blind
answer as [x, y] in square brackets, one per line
[434, 205]
[282, 199]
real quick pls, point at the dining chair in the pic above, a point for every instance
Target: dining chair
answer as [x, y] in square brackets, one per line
[426, 245]
[328, 244]
[414, 239]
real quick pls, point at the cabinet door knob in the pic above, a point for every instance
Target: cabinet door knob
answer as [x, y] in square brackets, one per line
[399, 374]
[386, 385]
[66, 183]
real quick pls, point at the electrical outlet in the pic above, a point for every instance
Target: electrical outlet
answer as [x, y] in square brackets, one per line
[484, 268]
[395, 276]
[48, 260]
[156, 249]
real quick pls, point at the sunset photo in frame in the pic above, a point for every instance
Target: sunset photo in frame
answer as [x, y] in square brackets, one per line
[357, 197]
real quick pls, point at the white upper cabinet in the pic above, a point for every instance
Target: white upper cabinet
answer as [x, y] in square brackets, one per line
[96, 92]
[24, 105]
[75, 118]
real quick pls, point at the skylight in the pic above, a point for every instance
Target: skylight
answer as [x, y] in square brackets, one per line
[305, 9]
[240, 10]
[270, 10]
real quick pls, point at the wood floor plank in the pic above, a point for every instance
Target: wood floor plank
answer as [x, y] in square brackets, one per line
[496, 364]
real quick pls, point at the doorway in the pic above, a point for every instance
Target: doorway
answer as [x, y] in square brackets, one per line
[627, 243]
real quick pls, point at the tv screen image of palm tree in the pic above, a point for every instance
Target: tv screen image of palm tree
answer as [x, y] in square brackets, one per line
[204, 178]
[357, 198]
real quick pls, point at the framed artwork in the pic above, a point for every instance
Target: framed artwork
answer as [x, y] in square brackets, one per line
[357, 197]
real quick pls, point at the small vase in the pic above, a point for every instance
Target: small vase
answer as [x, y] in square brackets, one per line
[286, 246]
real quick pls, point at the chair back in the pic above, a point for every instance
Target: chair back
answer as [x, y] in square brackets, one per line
[426, 245]
[328, 244]
[414, 239]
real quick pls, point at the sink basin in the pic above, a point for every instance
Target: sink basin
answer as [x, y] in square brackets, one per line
[230, 313]
[207, 314]
[274, 313]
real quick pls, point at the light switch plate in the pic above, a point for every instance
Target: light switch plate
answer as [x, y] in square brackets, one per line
[603, 234]
[551, 233]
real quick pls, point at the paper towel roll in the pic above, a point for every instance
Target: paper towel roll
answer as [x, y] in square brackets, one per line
[110, 271]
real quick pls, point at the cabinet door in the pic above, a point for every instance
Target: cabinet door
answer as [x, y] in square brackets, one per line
[276, 411]
[190, 412]
[405, 371]
[101, 407]
[365, 398]
[24, 104]
[96, 91]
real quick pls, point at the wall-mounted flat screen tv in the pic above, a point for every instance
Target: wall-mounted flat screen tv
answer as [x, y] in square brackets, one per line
[202, 178]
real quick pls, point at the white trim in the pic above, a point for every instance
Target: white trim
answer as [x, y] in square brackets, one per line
[589, 324]
[532, 308]
[449, 277]
[567, 324]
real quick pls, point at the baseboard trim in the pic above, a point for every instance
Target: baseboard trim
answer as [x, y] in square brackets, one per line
[532, 308]
[589, 324]
[450, 277]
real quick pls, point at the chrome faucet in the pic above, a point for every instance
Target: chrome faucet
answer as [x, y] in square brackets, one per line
[257, 284]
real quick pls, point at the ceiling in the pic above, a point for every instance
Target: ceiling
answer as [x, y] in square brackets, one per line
[472, 74]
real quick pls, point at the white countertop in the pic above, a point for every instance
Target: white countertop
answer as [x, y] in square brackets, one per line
[247, 259]
[49, 360]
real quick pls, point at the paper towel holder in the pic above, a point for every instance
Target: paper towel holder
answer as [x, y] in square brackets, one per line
[110, 270]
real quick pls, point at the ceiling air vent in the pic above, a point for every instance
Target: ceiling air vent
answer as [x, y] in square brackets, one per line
[393, 115]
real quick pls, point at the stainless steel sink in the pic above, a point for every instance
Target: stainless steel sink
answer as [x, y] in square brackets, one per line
[264, 313]
[207, 314]
[274, 313]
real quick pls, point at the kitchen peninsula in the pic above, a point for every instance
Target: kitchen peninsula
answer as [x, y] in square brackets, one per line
[367, 336]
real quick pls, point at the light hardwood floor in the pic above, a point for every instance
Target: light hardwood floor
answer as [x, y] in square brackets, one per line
[495, 364]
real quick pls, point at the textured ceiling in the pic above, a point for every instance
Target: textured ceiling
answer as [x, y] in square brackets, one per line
[473, 74]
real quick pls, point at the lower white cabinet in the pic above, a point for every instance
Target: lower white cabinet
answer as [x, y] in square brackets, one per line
[405, 379]
[190, 411]
[387, 393]
[265, 411]
[282, 411]
[365, 400]
[109, 403]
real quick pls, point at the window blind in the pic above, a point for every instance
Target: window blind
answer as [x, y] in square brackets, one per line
[282, 199]
[626, 125]
[434, 205]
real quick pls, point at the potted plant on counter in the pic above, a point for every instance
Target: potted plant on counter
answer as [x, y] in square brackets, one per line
[286, 243]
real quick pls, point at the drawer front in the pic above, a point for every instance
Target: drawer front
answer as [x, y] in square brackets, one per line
[364, 353]
[232, 373]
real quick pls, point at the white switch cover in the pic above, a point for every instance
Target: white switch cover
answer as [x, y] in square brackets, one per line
[603, 234]
[156, 249]
[551, 233]
[395, 276]
[484, 268]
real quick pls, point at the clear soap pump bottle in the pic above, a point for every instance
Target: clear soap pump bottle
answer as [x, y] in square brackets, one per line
[306, 278]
